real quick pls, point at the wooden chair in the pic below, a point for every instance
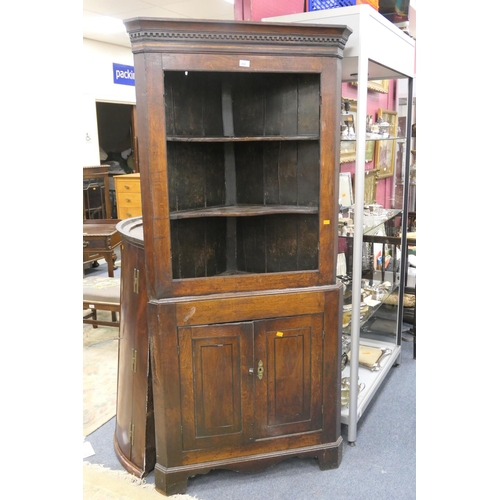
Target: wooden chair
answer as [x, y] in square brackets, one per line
[101, 293]
[96, 195]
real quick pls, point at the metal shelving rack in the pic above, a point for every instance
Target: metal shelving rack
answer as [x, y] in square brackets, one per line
[376, 50]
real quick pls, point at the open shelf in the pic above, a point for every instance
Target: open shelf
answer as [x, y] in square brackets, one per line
[242, 211]
[371, 379]
[243, 139]
[369, 307]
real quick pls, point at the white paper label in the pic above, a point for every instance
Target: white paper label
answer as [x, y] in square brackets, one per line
[244, 63]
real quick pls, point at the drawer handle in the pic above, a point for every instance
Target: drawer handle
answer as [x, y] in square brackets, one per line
[127, 199]
[129, 214]
[85, 244]
[126, 187]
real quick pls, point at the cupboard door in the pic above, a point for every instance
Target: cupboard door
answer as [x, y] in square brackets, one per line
[216, 385]
[288, 382]
[134, 433]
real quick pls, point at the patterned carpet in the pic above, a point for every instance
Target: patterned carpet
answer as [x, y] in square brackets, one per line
[100, 483]
[100, 367]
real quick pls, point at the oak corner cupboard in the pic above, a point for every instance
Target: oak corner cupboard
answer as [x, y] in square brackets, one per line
[239, 153]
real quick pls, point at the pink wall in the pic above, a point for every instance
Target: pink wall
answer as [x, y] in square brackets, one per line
[375, 101]
[255, 10]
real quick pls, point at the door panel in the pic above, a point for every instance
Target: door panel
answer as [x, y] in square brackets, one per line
[216, 385]
[289, 398]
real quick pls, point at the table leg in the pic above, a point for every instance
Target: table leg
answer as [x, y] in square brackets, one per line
[110, 260]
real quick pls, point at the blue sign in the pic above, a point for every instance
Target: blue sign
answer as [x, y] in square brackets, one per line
[123, 74]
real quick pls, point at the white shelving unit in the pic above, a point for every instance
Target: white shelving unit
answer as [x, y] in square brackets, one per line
[376, 50]
[371, 379]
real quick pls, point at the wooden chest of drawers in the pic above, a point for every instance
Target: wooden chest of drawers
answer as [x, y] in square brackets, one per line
[128, 196]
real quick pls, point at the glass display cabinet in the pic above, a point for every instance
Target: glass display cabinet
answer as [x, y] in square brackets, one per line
[378, 68]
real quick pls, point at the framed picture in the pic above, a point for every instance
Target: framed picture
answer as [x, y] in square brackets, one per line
[371, 179]
[370, 192]
[381, 86]
[347, 151]
[390, 117]
[345, 189]
[385, 151]
[369, 150]
[348, 116]
[353, 104]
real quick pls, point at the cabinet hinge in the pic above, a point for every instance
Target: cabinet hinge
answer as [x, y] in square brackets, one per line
[131, 433]
[178, 351]
[136, 280]
[323, 333]
[134, 360]
[321, 409]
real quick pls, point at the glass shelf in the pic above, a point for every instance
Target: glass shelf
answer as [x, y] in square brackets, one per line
[384, 222]
[370, 305]
[398, 139]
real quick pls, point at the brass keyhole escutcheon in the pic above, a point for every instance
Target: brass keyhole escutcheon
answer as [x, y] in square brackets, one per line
[260, 369]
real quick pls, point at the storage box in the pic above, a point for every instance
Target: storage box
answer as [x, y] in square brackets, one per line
[395, 11]
[401, 13]
[333, 4]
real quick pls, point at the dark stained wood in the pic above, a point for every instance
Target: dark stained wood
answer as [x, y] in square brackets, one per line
[100, 238]
[238, 145]
[329, 174]
[134, 438]
[274, 171]
[290, 394]
[280, 165]
[282, 243]
[153, 160]
[221, 414]
[203, 116]
[250, 176]
[194, 256]
[307, 176]
[308, 104]
[251, 245]
[196, 175]
[307, 252]
[242, 211]
[98, 172]
[216, 389]
[253, 138]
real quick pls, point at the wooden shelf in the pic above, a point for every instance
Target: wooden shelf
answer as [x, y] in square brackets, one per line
[178, 138]
[242, 211]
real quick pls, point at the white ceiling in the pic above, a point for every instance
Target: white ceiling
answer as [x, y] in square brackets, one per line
[95, 10]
